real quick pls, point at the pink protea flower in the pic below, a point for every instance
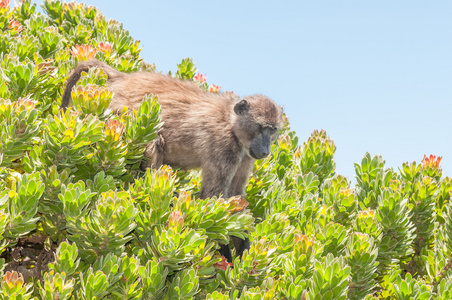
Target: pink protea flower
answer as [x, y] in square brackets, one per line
[165, 172]
[13, 280]
[214, 88]
[344, 192]
[73, 113]
[15, 26]
[104, 47]
[368, 213]
[303, 244]
[237, 204]
[176, 219]
[28, 104]
[431, 161]
[303, 238]
[223, 264]
[200, 78]
[362, 236]
[83, 52]
[113, 129]
[4, 3]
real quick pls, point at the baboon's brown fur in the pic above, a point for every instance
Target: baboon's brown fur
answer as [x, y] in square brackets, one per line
[221, 134]
[200, 129]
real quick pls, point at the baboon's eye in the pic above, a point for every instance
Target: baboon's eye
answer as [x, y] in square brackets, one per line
[272, 129]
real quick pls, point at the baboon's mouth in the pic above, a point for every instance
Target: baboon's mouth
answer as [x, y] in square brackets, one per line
[253, 155]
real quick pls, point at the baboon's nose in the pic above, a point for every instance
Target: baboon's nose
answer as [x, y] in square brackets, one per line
[259, 152]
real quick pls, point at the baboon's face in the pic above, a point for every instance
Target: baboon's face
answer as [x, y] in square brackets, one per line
[258, 123]
[260, 145]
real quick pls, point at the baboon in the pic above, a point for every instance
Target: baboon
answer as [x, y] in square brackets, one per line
[221, 134]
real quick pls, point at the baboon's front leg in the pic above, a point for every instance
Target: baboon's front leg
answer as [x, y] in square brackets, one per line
[238, 187]
[216, 180]
[240, 180]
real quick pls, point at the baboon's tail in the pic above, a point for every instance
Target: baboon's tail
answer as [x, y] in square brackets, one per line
[76, 74]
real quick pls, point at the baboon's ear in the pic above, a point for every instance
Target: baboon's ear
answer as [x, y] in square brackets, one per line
[242, 107]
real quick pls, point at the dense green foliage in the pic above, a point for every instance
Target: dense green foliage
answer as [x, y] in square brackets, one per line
[80, 220]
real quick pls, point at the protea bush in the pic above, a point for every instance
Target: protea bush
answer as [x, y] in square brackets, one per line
[80, 220]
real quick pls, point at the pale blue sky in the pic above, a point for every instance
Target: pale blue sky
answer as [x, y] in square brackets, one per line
[375, 74]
